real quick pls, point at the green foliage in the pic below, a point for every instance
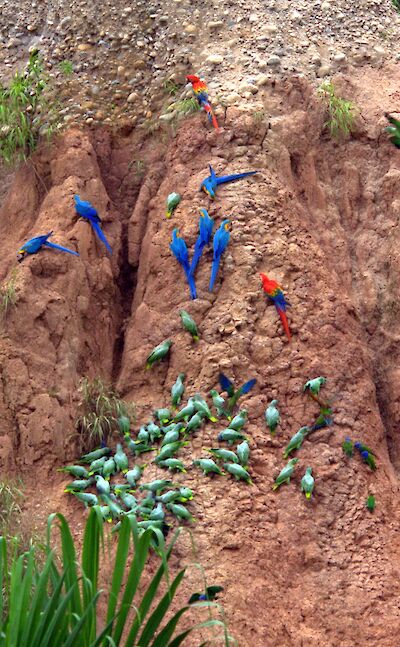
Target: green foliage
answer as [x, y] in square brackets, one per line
[396, 5]
[170, 87]
[66, 67]
[8, 296]
[101, 407]
[24, 111]
[342, 113]
[47, 604]
[185, 107]
[10, 497]
[259, 116]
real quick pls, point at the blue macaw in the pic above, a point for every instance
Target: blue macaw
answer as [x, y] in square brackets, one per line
[206, 225]
[210, 184]
[220, 243]
[33, 245]
[86, 210]
[179, 249]
[234, 394]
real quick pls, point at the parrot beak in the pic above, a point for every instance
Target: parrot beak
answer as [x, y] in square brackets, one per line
[20, 256]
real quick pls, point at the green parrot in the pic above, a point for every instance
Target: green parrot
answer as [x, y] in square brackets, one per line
[238, 472]
[121, 459]
[129, 501]
[97, 465]
[243, 452]
[109, 468]
[223, 454]
[185, 494]
[87, 498]
[79, 485]
[285, 474]
[158, 353]
[148, 524]
[307, 483]
[156, 486]
[296, 441]
[369, 459]
[178, 390]
[157, 514]
[172, 202]
[142, 448]
[173, 435]
[173, 464]
[272, 416]
[119, 488]
[169, 496]
[348, 447]
[195, 422]
[133, 475]
[115, 509]
[190, 325]
[201, 406]
[97, 453]
[370, 502]
[75, 470]
[143, 436]
[163, 415]
[210, 594]
[105, 513]
[154, 431]
[179, 511]
[314, 385]
[219, 403]
[394, 129]
[102, 486]
[186, 412]
[208, 466]
[230, 436]
[169, 450]
[238, 421]
[124, 425]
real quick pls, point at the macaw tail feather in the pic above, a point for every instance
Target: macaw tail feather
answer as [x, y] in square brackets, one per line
[211, 116]
[59, 247]
[285, 323]
[232, 178]
[100, 234]
[214, 272]
[226, 384]
[247, 386]
[192, 285]
[198, 251]
[308, 495]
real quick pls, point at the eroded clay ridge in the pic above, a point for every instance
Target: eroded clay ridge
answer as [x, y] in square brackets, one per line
[320, 218]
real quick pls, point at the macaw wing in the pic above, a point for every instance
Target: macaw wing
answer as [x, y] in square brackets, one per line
[213, 175]
[226, 384]
[59, 247]
[84, 207]
[247, 386]
[100, 234]
[236, 176]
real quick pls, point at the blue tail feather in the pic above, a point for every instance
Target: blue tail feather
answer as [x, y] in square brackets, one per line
[190, 280]
[60, 248]
[232, 178]
[248, 386]
[226, 384]
[198, 251]
[98, 230]
[214, 272]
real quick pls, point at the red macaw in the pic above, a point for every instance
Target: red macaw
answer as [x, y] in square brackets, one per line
[275, 294]
[201, 93]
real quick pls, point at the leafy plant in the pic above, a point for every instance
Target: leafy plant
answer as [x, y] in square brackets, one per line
[185, 107]
[342, 113]
[10, 496]
[45, 605]
[396, 5]
[24, 111]
[101, 407]
[8, 296]
[170, 87]
[66, 67]
[258, 116]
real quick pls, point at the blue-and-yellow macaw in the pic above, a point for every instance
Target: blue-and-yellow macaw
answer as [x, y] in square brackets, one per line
[33, 245]
[179, 249]
[210, 184]
[206, 225]
[220, 243]
[86, 210]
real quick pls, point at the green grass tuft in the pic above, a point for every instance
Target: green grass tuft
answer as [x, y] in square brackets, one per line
[66, 67]
[8, 295]
[185, 107]
[101, 407]
[396, 5]
[342, 113]
[170, 87]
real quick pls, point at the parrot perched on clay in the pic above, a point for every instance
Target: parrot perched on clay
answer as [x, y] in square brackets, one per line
[209, 595]
[97, 465]
[158, 353]
[307, 483]
[102, 486]
[109, 468]
[157, 514]
[178, 389]
[172, 464]
[315, 385]
[33, 245]
[168, 496]
[75, 470]
[173, 435]
[272, 416]
[158, 485]
[223, 454]
[87, 210]
[234, 395]
[348, 447]
[208, 466]
[121, 459]
[393, 130]
[172, 202]
[285, 474]
[201, 93]
[324, 419]
[179, 249]
[238, 422]
[189, 324]
[179, 511]
[163, 415]
[186, 412]
[195, 422]
[230, 436]
[370, 502]
[95, 454]
[296, 441]
[239, 472]
[206, 225]
[134, 474]
[124, 425]
[201, 406]
[78, 485]
[210, 184]
[169, 450]
[218, 402]
[275, 294]
[154, 431]
[185, 494]
[243, 452]
[369, 459]
[87, 498]
[220, 243]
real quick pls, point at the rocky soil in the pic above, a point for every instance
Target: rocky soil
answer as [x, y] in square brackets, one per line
[320, 217]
